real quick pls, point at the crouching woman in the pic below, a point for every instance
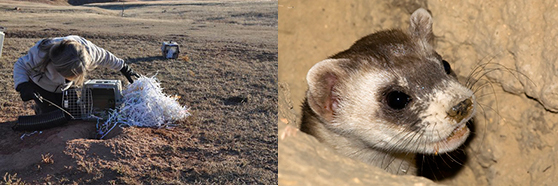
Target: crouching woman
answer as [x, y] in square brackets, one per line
[55, 64]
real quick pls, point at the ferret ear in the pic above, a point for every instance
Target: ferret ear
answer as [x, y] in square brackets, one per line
[322, 79]
[421, 25]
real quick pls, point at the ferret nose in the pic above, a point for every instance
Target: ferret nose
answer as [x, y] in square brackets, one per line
[461, 110]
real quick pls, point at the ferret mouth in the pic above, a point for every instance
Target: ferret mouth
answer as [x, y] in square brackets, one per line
[454, 140]
[457, 133]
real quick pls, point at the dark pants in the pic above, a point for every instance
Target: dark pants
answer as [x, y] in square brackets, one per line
[44, 106]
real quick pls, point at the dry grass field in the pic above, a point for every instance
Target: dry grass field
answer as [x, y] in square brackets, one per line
[226, 74]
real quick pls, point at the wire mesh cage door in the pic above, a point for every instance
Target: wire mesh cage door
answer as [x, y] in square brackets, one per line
[71, 102]
[78, 102]
[87, 104]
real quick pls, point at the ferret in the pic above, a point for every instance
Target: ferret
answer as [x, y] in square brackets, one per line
[387, 98]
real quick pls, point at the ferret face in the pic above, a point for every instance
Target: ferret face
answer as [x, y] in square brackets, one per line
[391, 91]
[419, 110]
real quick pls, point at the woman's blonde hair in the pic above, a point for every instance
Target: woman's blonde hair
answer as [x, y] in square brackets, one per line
[68, 57]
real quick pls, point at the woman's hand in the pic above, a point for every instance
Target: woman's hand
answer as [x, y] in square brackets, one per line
[128, 72]
[26, 91]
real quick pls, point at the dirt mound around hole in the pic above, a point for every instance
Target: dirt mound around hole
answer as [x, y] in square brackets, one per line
[19, 150]
[73, 152]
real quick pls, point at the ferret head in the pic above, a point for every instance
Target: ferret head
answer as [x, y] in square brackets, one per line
[391, 91]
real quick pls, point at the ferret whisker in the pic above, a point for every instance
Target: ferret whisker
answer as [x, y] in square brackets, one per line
[386, 164]
[479, 78]
[452, 159]
[417, 147]
[419, 142]
[518, 72]
[486, 122]
[478, 68]
[354, 153]
[437, 168]
[500, 67]
[484, 95]
[490, 84]
[443, 160]
[480, 87]
[423, 162]
[495, 98]
[401, 142]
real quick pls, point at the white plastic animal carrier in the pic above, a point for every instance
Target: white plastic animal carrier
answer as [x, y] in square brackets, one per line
[94, 100]
[170, 50]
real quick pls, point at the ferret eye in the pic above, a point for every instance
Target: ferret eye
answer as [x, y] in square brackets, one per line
[447, 66]
[397, 100]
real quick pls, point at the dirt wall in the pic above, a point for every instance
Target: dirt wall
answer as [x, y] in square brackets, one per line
[510, 46]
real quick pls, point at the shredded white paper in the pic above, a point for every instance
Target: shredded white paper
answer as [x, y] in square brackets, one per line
[145, 105]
